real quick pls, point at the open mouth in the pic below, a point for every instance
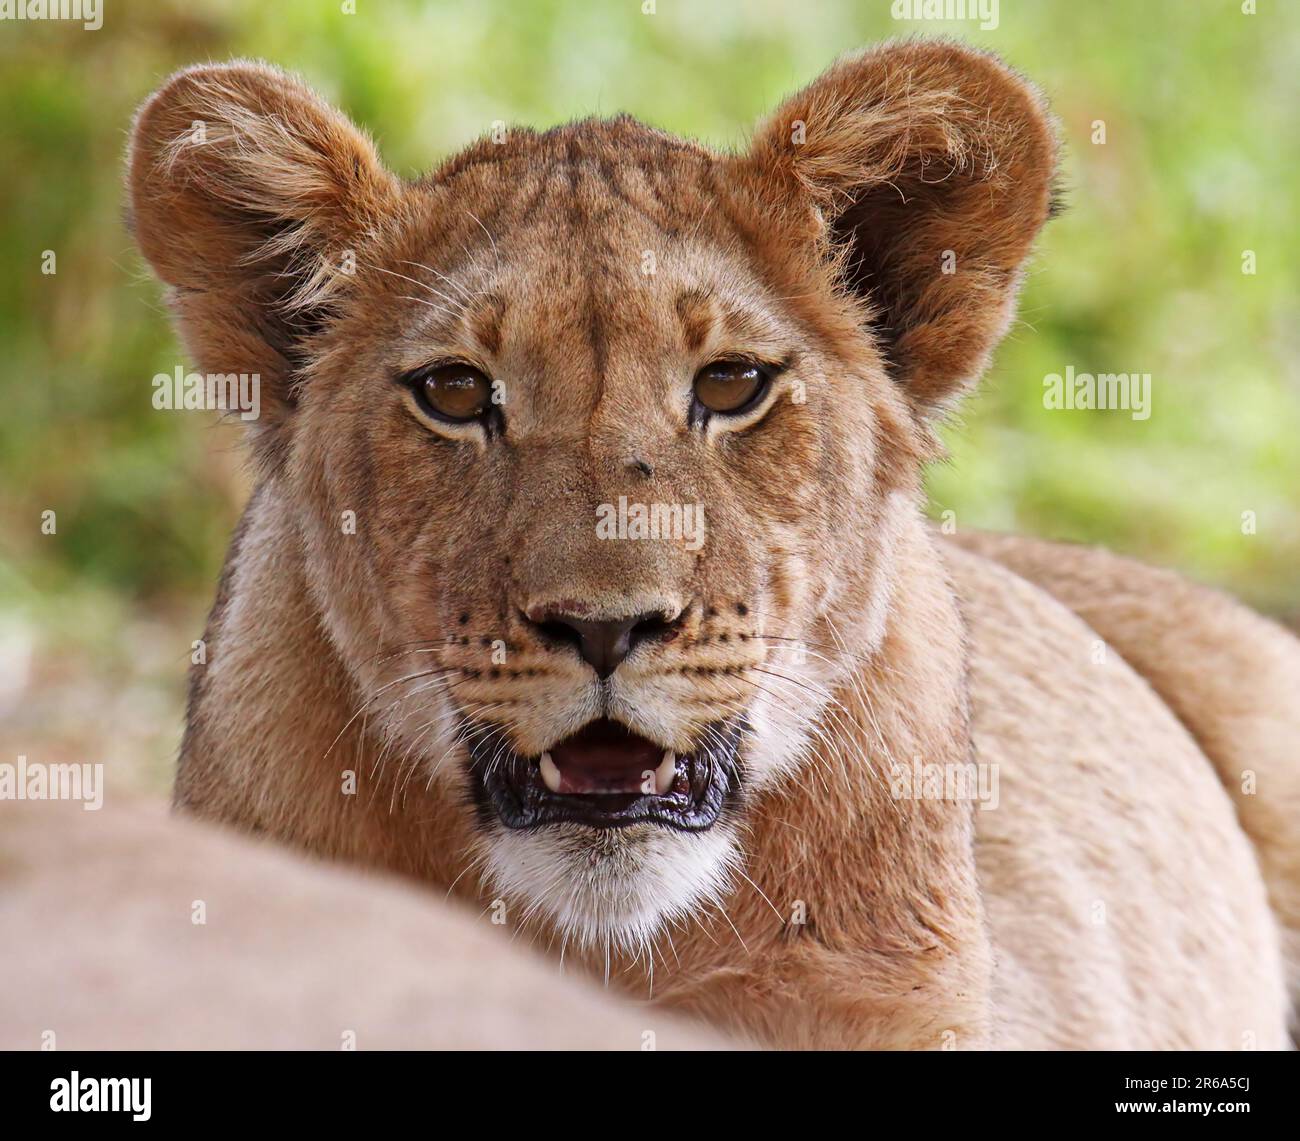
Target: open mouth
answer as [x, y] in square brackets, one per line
[606, 776]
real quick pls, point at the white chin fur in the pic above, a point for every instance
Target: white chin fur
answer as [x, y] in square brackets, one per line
[612, 888]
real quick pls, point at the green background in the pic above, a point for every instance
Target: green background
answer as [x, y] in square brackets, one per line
[1201, 106]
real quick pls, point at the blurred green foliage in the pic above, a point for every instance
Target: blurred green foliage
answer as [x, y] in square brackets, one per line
[1201, 107]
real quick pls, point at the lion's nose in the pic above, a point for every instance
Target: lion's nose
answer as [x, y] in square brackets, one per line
[605, 642]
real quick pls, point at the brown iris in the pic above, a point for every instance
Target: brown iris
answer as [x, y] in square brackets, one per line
[730, 386]
[456, 392]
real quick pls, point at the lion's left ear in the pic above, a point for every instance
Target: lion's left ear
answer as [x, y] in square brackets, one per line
[929, 168]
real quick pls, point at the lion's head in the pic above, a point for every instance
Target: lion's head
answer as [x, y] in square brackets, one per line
[599, 441]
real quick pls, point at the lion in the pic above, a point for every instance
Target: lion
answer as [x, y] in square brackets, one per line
[172, 934]
[806, 768]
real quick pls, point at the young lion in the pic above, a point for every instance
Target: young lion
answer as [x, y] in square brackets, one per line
[822, 778]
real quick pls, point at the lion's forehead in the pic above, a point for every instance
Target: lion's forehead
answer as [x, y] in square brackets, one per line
[617, 152]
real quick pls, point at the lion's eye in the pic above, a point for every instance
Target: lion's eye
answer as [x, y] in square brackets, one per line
[730, 386]
[455, 392]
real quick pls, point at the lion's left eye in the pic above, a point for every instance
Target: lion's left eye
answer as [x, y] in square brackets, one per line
[729, 387]
[454, 392]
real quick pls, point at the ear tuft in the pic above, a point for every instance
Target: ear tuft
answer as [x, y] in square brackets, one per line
[245, 190]
[253, 166]
[932, 166]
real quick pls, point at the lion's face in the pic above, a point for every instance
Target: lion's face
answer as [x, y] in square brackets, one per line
[599, 441]
[617, 504]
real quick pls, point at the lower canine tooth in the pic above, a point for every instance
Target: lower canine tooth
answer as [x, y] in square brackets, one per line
[666, 773]
[550, 774]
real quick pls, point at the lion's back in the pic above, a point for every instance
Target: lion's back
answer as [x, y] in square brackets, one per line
[1124, 898]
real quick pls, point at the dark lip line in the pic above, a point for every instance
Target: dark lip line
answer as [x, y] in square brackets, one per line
[507, 790]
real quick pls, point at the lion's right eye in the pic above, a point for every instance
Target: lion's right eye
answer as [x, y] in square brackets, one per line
[456, 393]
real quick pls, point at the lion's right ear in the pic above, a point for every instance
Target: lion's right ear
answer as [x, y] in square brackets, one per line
[248, 194]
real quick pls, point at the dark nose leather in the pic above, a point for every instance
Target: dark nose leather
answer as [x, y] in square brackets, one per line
[604, 643]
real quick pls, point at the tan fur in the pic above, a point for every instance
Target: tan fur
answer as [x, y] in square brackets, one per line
[1231, 677]
[101, 950]
[1110, 900]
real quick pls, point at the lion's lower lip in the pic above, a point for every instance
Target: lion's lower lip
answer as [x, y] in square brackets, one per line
[513, 790]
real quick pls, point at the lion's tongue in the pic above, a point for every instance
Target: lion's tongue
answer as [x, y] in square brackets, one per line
[605, 758]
